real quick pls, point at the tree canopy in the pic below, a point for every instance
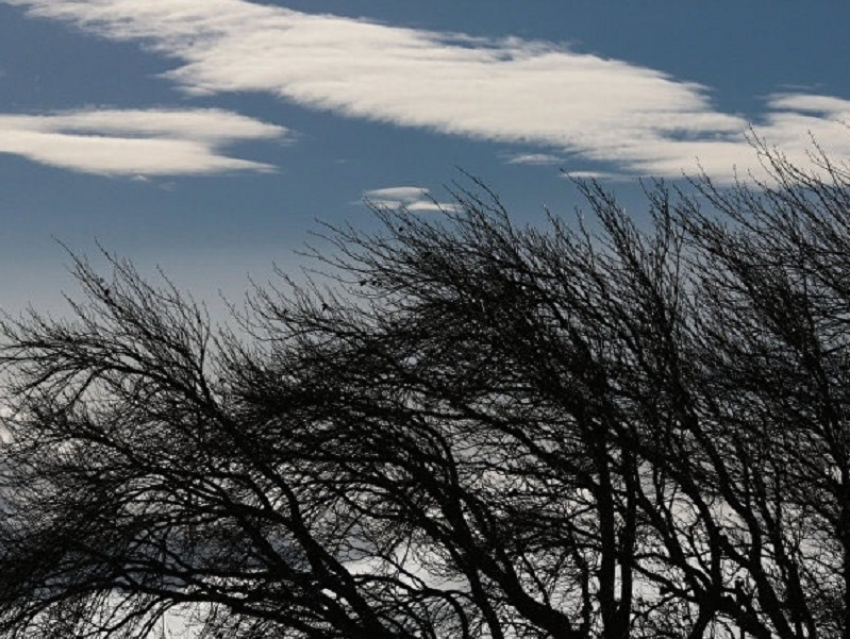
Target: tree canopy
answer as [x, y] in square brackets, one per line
[477, 430]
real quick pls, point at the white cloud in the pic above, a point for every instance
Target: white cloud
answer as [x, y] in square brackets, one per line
[591, 175]
[812, 103]
[791, 124]
[135, 142]
[414, 199]
[535, 159]
[511, 90]
[399, 193]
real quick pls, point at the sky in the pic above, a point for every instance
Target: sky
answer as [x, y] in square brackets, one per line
[210, 137]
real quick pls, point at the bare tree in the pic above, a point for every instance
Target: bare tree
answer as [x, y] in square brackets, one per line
[593, 429]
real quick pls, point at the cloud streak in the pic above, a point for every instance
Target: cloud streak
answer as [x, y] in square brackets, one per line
[535, 159]
[135, 142]
[510, 90]
[414, 199]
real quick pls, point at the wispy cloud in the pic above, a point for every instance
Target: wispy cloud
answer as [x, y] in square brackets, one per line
[135, 142]
[414, 199]
[641, 119]
[592, 175]
[535, 159]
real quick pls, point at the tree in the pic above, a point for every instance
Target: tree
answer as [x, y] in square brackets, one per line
[476, 430]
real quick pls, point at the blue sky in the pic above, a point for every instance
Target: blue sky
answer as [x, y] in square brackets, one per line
[207, 136]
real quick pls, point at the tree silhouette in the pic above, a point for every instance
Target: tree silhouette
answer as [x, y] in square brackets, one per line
[591, 429]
